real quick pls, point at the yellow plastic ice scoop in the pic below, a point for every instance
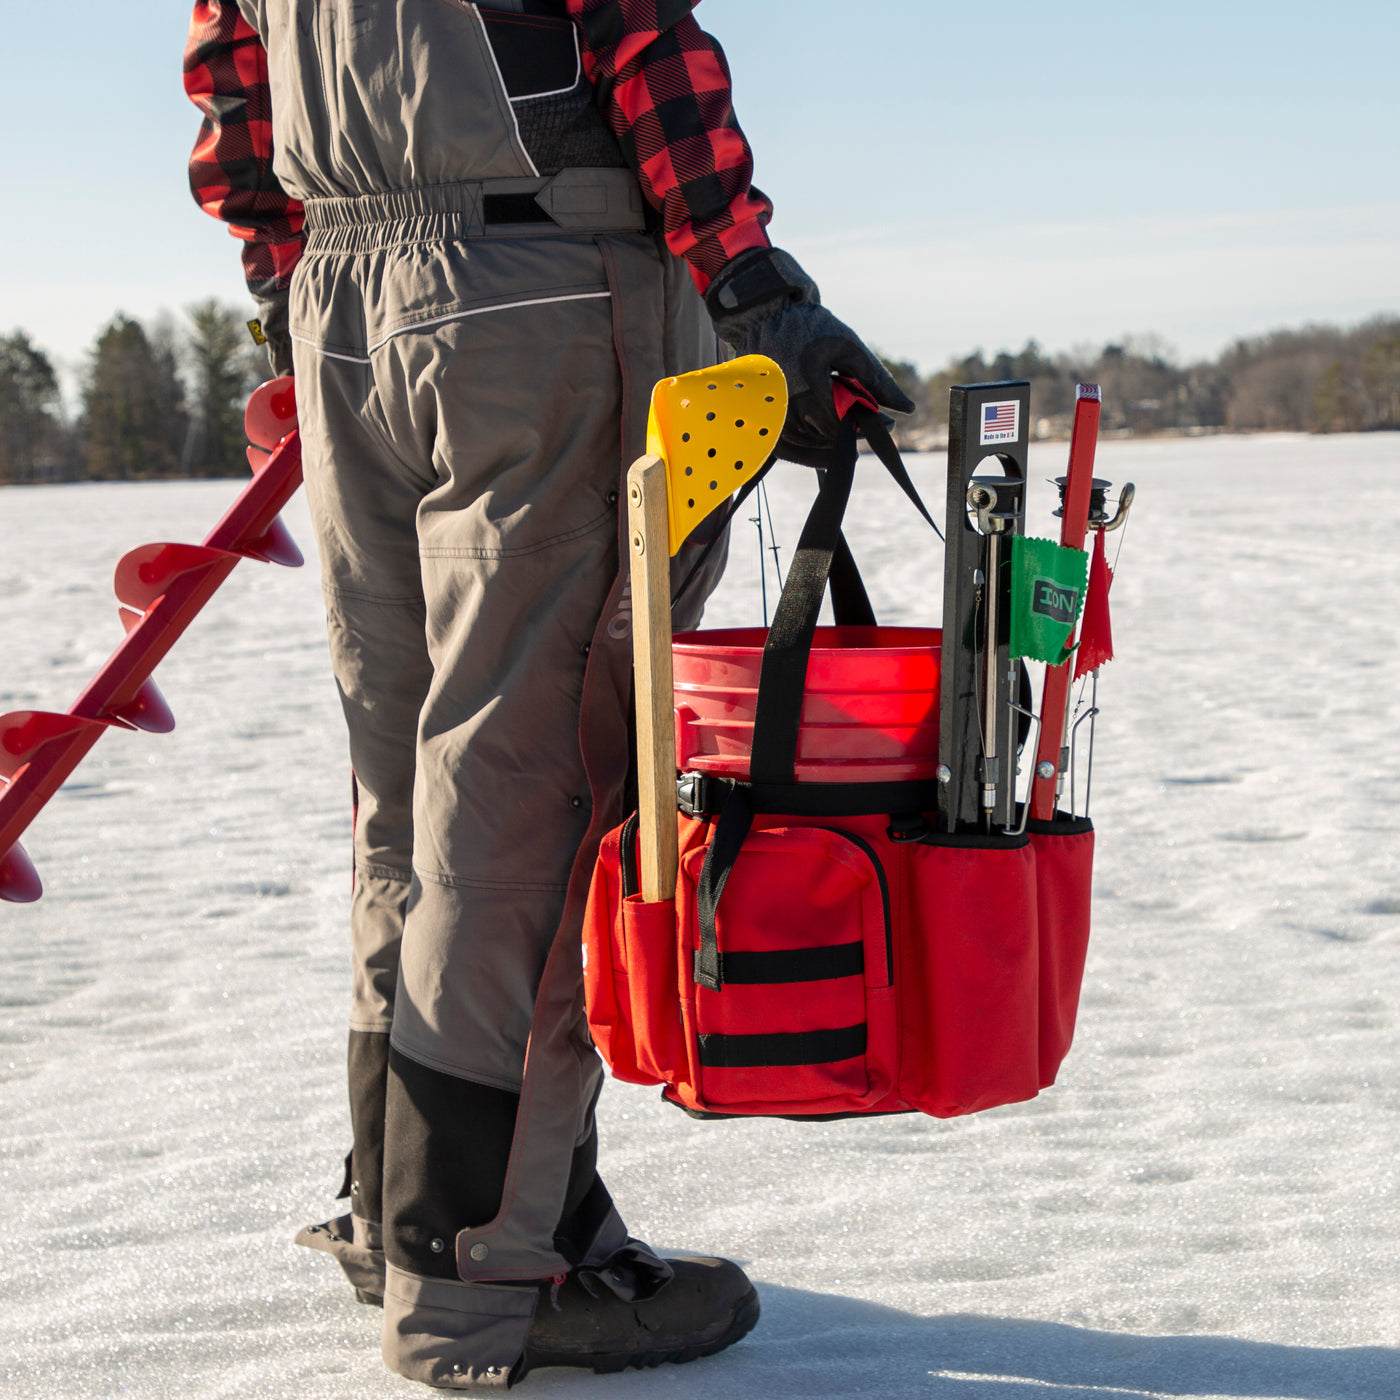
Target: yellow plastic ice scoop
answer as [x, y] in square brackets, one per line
[714, 429]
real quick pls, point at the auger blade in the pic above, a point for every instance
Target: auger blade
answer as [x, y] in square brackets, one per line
[161, 588]
[146, 572]
[146, 711]
[24, 732]
[715, 429]
[271, 414]
[275, 546]
[19, 881]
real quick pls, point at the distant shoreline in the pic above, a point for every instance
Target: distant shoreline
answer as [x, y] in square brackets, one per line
[1108, 435]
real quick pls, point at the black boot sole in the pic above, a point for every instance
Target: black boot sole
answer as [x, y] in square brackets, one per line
[604, 1363]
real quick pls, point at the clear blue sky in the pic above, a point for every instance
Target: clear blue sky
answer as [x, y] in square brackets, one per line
[955, 176]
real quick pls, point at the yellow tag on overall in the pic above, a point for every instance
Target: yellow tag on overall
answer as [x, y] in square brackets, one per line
[714, 429]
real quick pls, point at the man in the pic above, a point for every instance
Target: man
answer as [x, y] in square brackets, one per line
[442, 207]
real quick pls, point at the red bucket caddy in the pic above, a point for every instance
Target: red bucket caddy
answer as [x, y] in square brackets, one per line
[838, 943]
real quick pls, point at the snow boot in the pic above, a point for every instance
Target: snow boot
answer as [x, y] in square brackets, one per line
[602, 1321]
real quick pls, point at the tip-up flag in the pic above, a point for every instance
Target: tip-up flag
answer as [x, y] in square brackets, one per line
[1096, 636]
[1047, 593]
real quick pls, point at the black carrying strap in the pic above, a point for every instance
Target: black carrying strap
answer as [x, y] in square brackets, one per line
[822, 555]
[783, 677]
[872, 426]
[730, 832]
[849, 601]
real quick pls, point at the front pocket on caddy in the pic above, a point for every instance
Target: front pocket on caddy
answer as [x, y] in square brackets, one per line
[803, 1019]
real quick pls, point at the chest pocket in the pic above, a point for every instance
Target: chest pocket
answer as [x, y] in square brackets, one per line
[537, 55]
[541, 69]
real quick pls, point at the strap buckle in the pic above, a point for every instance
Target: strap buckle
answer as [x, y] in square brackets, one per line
[908, 829]
[697, 795]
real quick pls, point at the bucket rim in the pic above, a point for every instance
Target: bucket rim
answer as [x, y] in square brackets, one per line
[735, 641]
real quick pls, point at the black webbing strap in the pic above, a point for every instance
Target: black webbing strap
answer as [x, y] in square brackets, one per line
[783, 677]
[850, 603]
[627, 851]
[782, 1048]
[872, 426]
[779, 965]
[730, 832]
[896, 798]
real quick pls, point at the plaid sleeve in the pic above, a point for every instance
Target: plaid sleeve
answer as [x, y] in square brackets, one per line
[231, 165]
[664, 85]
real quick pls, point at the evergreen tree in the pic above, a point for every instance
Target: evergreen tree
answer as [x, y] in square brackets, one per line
[223, 372]
[134, 414]
[1380, 372]
[1336, 405]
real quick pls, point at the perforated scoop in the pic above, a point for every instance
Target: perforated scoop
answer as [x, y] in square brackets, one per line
[714, 429]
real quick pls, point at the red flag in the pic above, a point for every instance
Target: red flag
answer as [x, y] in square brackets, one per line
[1096, 633]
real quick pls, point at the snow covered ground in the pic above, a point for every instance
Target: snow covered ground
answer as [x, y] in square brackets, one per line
[1205, 1206]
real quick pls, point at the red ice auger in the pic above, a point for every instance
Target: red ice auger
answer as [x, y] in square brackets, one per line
[160, 587]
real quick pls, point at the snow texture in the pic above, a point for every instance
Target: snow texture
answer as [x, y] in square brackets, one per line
[1204, 1206]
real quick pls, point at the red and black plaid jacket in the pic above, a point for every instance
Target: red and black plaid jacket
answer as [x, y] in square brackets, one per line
[662, 83]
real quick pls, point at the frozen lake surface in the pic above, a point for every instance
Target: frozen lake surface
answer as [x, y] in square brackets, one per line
[1204, 1206]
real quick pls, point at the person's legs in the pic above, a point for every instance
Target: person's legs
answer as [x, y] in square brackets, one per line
[364, 496]
[517, 543]
[467, 643]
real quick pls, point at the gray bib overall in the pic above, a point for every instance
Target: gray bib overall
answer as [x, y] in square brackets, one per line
[478, 318]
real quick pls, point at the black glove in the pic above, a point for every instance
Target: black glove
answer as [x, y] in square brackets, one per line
[762, 303]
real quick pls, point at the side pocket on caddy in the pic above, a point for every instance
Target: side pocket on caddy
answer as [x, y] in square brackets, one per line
[970, 975]
[1064, 867]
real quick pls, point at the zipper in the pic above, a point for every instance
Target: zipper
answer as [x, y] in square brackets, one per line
[884, 893]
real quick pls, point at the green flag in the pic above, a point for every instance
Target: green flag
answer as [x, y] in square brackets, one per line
[1047, 593]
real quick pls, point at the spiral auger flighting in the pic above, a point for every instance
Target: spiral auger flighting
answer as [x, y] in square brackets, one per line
[160, 587]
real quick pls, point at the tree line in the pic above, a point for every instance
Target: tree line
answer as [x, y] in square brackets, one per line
[158, 400]
[1317, 379]
[166, 399]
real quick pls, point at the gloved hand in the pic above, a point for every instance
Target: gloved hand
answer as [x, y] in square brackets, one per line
[762, 303]
[276, 337]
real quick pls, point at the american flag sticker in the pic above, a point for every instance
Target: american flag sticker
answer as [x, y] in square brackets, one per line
[1001, 422]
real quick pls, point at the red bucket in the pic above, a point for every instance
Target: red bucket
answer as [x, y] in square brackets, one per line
[870, 712]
